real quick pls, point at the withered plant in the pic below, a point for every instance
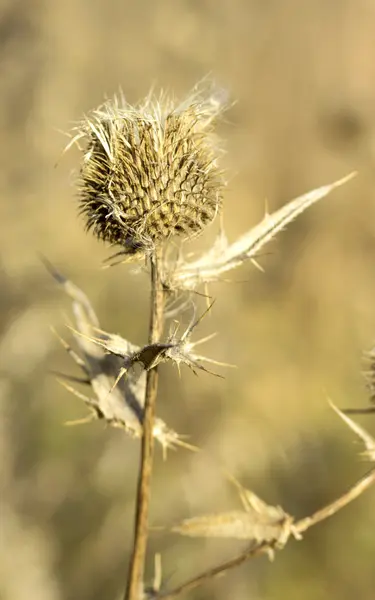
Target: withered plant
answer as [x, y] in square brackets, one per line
[149, 178]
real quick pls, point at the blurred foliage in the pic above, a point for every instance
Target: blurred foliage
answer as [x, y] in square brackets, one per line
[305, 115]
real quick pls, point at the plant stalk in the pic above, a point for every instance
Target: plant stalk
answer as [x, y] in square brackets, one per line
[134, 589]
[300, 526]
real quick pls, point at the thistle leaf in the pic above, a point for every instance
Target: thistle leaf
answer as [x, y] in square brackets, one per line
[259, 522]
[117, 399]
[239, 525]
[223, 257]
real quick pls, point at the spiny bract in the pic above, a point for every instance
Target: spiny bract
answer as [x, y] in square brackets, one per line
[150, 172]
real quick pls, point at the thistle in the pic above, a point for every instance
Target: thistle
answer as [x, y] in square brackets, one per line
[149, 172]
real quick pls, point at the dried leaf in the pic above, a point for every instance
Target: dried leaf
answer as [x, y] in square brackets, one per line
[367, 439]
[239, 525]
[259, 522]
[223, 257]
[118, 400]
[179, 350]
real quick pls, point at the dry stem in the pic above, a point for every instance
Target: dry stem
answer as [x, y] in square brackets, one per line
[215, 571]
[327, 511]
[300, 526]
[134, 590]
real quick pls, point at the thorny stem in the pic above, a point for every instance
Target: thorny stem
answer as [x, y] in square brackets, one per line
[300, 526]
[327, 511]
[134, 589]
[215, 571]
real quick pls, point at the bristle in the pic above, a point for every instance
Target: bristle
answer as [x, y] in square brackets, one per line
[149, 172]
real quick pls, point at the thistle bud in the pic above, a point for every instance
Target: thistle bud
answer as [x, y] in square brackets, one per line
[149, 172]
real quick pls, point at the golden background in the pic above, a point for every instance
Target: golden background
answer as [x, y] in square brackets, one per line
[302, 74]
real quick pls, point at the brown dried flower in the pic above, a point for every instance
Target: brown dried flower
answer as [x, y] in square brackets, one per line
[150, 171]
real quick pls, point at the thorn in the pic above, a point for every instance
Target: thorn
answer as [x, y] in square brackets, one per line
[52, 270]
[266, 207]
[207, 295]
[271, 554]
[257, 265]
[194, 325]
[93, 340]
[241, 490]
[72, 378]
[212, 361]
[203, 340]
[89, 401]
[73, 354]
[82, 421]
[157, 573]
[367, 439]
[221, 226]
[180, 442]
[123, 371]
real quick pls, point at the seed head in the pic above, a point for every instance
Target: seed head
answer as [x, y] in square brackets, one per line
[150, 172]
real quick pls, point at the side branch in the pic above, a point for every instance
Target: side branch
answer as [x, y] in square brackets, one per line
[266, 546]
[215, 571]
[223, 257]
[134, 590]
[327, 511]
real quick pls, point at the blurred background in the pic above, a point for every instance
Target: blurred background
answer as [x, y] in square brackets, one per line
[301, 76]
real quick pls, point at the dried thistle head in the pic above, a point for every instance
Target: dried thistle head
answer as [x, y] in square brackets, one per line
[150, 171]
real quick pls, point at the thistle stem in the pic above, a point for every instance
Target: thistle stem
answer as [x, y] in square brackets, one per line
[134, 590]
